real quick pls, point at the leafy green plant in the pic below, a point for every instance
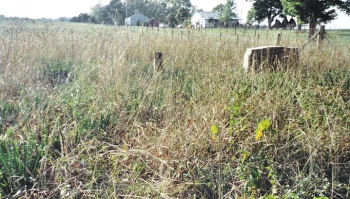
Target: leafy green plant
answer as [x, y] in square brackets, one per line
[19, 161]
[262, 126]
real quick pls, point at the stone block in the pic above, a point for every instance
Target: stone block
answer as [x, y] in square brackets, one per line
[270, 58]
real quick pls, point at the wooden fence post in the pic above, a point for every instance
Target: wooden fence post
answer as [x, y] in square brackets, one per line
[255, 31]
[278, 39]
[158, 61]
[220, 35]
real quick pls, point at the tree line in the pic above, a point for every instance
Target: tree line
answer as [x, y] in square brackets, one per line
[170, 12]
[173, 12]
[305, 11]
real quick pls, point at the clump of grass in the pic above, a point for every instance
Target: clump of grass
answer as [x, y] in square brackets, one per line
[20, 158]
[99, 122]
[58, 72]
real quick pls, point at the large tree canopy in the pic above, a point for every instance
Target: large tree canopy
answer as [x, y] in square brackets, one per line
[219, 8]
[116, 11]
[180, 10]
[228, 12]
[309, 11]
[179, 3]
[265, 9]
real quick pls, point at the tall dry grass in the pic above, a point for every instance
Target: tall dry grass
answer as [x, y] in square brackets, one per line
[84, 115]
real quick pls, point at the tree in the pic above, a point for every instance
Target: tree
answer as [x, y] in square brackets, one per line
[266, 9]
[178, 11]
[155, 9]
[150, 8]
[251, 17]
[99, 13]
[83, 18]
[180, 3]
[309, 11]
[277, 24]
[171, 19]
[113, 13]
[228, 12]
[292, 23]
[284, 21]
[182, 14]
[116, 12]
[219, 8]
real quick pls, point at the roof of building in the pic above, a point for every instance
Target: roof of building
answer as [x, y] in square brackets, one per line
[211, 15]
[208, 15]
[137, 15]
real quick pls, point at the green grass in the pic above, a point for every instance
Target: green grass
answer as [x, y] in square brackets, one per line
[83, 114]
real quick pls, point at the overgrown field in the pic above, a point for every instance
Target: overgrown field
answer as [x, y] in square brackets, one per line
[83, 114]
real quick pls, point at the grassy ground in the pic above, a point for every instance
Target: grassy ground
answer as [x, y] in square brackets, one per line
[84, 115]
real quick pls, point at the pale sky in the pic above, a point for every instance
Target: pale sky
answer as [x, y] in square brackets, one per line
[70, 8]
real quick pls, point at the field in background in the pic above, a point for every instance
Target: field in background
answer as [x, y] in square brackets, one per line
[83, 114]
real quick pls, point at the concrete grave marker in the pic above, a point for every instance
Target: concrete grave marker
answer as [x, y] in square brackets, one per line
[270, 58]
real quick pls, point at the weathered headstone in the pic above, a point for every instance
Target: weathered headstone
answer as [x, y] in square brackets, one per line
[270, 58]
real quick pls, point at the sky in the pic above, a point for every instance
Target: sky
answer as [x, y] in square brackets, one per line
[69, 8]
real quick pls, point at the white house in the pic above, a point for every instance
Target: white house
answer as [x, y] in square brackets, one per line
[136, 19]
[208, 20]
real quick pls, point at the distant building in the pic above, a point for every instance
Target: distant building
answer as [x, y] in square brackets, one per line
[153, 23]
[136, 19]
[209, 20]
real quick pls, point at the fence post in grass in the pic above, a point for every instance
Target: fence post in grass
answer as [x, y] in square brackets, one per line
[237, 40]
[158, 61]
[172, 33]
[235, 29]
[278, 39]
[220, 35]
[255, 31]
[188, 35]
[258, 38]
[321, 36]
[181, 35]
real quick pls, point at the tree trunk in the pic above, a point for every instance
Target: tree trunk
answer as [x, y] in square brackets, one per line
[312, 26]
[299, 27]
[269, 21]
